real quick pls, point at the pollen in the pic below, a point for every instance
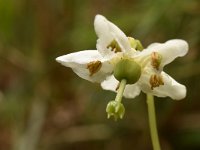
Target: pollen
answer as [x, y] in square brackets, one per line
[94, 67]
[156, 60]
[114, 46]
[155, 81]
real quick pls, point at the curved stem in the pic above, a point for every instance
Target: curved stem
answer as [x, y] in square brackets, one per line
[152, 122]
[120, 90]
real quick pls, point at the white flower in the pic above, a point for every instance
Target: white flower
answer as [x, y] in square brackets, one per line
[112, 46]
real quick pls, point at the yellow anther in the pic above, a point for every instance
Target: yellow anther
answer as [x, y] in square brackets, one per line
[156, 60]
[114, 46]
[155, 81]
[94, 67]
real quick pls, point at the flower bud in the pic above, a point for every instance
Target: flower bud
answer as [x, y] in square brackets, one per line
[127, 69]
[115, 109]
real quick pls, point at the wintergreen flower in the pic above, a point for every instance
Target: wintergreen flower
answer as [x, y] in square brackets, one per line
[143, 70]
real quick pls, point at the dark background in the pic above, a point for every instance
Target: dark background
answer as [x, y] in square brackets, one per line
[45, 106]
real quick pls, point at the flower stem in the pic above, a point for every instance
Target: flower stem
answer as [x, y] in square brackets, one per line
[120, 90]
[152, 122]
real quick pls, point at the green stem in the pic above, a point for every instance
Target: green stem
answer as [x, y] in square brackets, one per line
[120, 91]
[152, 122]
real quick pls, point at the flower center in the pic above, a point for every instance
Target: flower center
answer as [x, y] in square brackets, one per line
[127, 69]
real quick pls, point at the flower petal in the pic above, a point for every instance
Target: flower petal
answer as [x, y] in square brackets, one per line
[131, 91]
[168, 50]
[170, 88]
[108, 33]
[88, 64]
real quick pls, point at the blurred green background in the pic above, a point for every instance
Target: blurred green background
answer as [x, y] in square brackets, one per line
[45, 106]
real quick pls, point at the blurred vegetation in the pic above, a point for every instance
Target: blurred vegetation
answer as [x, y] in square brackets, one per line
[45, 106]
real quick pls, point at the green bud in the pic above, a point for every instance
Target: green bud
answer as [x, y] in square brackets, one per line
[115, 109]
[127, 69]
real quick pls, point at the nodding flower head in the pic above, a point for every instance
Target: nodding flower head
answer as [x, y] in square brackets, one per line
[118, 57]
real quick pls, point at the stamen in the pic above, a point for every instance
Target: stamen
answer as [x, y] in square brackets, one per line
[155, 81]
[136, 44]
[94, 67]
[156, 60]
[114, 46]
[143, 61]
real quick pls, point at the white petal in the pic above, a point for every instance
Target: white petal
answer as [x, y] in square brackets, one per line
[152, 45]
[170, 88]
[78, 61]
[168, 50]
[131, 91]
[110, 83]
[107, 32]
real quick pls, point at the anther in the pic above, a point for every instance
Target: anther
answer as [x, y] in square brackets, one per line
[156, 60]
[114, 46]
[155, 81]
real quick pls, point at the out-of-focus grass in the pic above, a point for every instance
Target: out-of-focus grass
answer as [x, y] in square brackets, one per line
[44, 105]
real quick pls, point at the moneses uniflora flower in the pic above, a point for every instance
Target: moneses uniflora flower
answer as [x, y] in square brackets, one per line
[121, 65]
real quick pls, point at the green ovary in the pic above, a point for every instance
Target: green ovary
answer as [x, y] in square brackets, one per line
[127, 69]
